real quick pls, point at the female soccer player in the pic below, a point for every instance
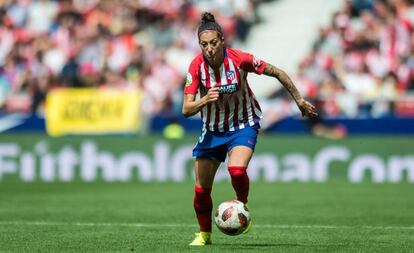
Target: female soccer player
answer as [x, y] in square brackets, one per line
[230, 115]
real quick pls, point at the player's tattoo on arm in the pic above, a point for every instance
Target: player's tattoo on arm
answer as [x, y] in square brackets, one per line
[306, 108]
[284, 79]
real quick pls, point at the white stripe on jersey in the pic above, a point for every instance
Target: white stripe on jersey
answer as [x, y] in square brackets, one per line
[222, 114]
[203, 75]
[213, 81]
[239, 98]
[252, 105]
[204, 118]
[221, 120]
[256, 109]
[223, 75]
[203, 82]
[232, 106]
[248, 101]
[212, 116]
[232, 98]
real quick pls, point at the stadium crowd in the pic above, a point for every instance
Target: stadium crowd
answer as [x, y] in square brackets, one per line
[145, 44]
[362, 64]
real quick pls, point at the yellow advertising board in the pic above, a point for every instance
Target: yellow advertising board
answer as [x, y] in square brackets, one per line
[92, 111]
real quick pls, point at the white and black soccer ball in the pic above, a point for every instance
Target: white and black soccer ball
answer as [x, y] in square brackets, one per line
[232, 217]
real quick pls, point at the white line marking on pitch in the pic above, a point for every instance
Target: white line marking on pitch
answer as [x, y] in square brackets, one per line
[153, 225]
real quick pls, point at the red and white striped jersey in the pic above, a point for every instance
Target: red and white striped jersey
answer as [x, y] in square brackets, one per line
[237, 105]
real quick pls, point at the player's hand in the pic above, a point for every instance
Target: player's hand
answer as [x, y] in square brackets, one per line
[212, 95]
[307, 109]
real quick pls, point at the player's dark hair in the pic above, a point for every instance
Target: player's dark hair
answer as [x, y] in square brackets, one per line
[207, 17]
[208, 22]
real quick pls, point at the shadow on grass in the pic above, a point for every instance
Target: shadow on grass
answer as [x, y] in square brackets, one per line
[256, 245]
[271, 245]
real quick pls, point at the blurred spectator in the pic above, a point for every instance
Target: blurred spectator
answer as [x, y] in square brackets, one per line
[362, 64]
[137, 43]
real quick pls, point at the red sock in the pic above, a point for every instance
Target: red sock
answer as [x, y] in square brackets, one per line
[240, 182]
[203, 206]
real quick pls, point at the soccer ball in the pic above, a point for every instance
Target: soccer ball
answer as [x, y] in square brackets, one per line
[232, 217]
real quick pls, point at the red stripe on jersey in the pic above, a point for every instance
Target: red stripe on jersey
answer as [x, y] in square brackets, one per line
[236, 111]
[226, 69]
[244, 102]
[245, 113]
[216, 74]
[235, 97]
[257, 105]
[208, 115]
[218, 83]
[226, 101]
[226, 115]
[217, 77]
[217, 116]
[252, 99]
[233, 110]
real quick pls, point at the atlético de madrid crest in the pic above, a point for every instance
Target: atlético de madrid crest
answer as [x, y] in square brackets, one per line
[231, 75]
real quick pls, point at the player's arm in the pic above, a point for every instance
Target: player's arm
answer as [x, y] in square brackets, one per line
[305, 107]
[192, 106]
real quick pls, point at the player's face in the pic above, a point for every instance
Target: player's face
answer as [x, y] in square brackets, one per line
[212, 46]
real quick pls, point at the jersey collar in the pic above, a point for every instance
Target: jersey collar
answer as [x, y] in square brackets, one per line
[225, 56]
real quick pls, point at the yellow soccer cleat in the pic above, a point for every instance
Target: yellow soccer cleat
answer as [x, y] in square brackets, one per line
[250, 222]
[248, 228]
[201, 239]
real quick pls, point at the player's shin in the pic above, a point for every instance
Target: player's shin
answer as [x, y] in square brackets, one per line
[203, 206]
[240, 182]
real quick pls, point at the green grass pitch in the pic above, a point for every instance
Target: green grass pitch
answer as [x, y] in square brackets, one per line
[136, 217]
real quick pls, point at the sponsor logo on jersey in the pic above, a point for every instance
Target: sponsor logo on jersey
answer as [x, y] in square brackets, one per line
[189, 80]
[230, 75]
[228, 88]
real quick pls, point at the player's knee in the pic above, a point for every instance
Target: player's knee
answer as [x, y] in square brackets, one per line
[200, 190]
[236, 171]
[202, 199]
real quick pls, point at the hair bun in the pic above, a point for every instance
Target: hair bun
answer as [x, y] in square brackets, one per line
[207, 17]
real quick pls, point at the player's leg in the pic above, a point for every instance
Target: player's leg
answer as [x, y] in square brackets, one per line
[205, 170]
[239, 158]
[241, 150]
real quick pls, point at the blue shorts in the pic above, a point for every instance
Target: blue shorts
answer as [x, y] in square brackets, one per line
[215, 145]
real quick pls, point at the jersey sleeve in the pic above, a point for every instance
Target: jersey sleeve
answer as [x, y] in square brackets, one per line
[251, 64]
[193, 81]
